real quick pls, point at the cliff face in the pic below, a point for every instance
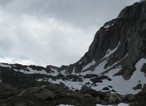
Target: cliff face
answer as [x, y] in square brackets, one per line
[119, 42]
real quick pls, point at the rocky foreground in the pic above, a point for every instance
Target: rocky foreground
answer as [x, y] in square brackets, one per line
[42, 93]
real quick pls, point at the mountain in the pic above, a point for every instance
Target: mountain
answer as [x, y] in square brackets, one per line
[118, 48]
[119, 42]
[112, 71]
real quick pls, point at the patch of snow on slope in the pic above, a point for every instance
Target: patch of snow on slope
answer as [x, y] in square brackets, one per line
[72, 85]
[124, 86]
[89, 65]
[123, 104]
[107, 26]
[62, 72]
[54, 73]
[118, 83]
[73, 72]
[31, 71]
[80, 62]
[138, 75]
[106, 82]
[5, 65]
[109, 51]
[65, 105]
[99, 69]
[120, 104]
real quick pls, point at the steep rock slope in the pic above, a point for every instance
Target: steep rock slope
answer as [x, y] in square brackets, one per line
[120, 42]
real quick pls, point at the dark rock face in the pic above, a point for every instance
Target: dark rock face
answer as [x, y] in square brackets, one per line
[139, 86]
[127, 33]
[143, 69]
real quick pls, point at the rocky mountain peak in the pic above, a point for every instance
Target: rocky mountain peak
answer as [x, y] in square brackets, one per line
[119, 42]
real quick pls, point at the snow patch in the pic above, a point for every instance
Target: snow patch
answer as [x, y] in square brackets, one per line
[54, 73]
[109, 51]
[62, 72]
[100, 68]
[5, 65]
[120, 104]
[65, 105]
[80, 62]
[123, 104]
[121, 85]
[107, 26]
[72, 85]
[118, 83]
[89, 65]
[29, 70]
[73, 71]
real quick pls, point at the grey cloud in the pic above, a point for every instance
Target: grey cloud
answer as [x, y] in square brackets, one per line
[79, 12]
[51, 31]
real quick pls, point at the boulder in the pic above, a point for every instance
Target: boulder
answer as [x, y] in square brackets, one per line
[74, 95]
[45, 95]
[88, 90]
[106, 88]
[30, 91]
[114, 98]
[138, 86]
[38, 92]
[131, 97]
[20, 105]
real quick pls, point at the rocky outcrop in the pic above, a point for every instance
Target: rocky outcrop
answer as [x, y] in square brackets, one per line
[53, 95]
[26, 90]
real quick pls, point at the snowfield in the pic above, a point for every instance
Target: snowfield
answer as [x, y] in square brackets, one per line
[5, 65]
[64, 105]
[117, 83]
[120, 104]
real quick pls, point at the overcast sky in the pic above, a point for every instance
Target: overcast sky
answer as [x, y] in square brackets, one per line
[52, 32]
